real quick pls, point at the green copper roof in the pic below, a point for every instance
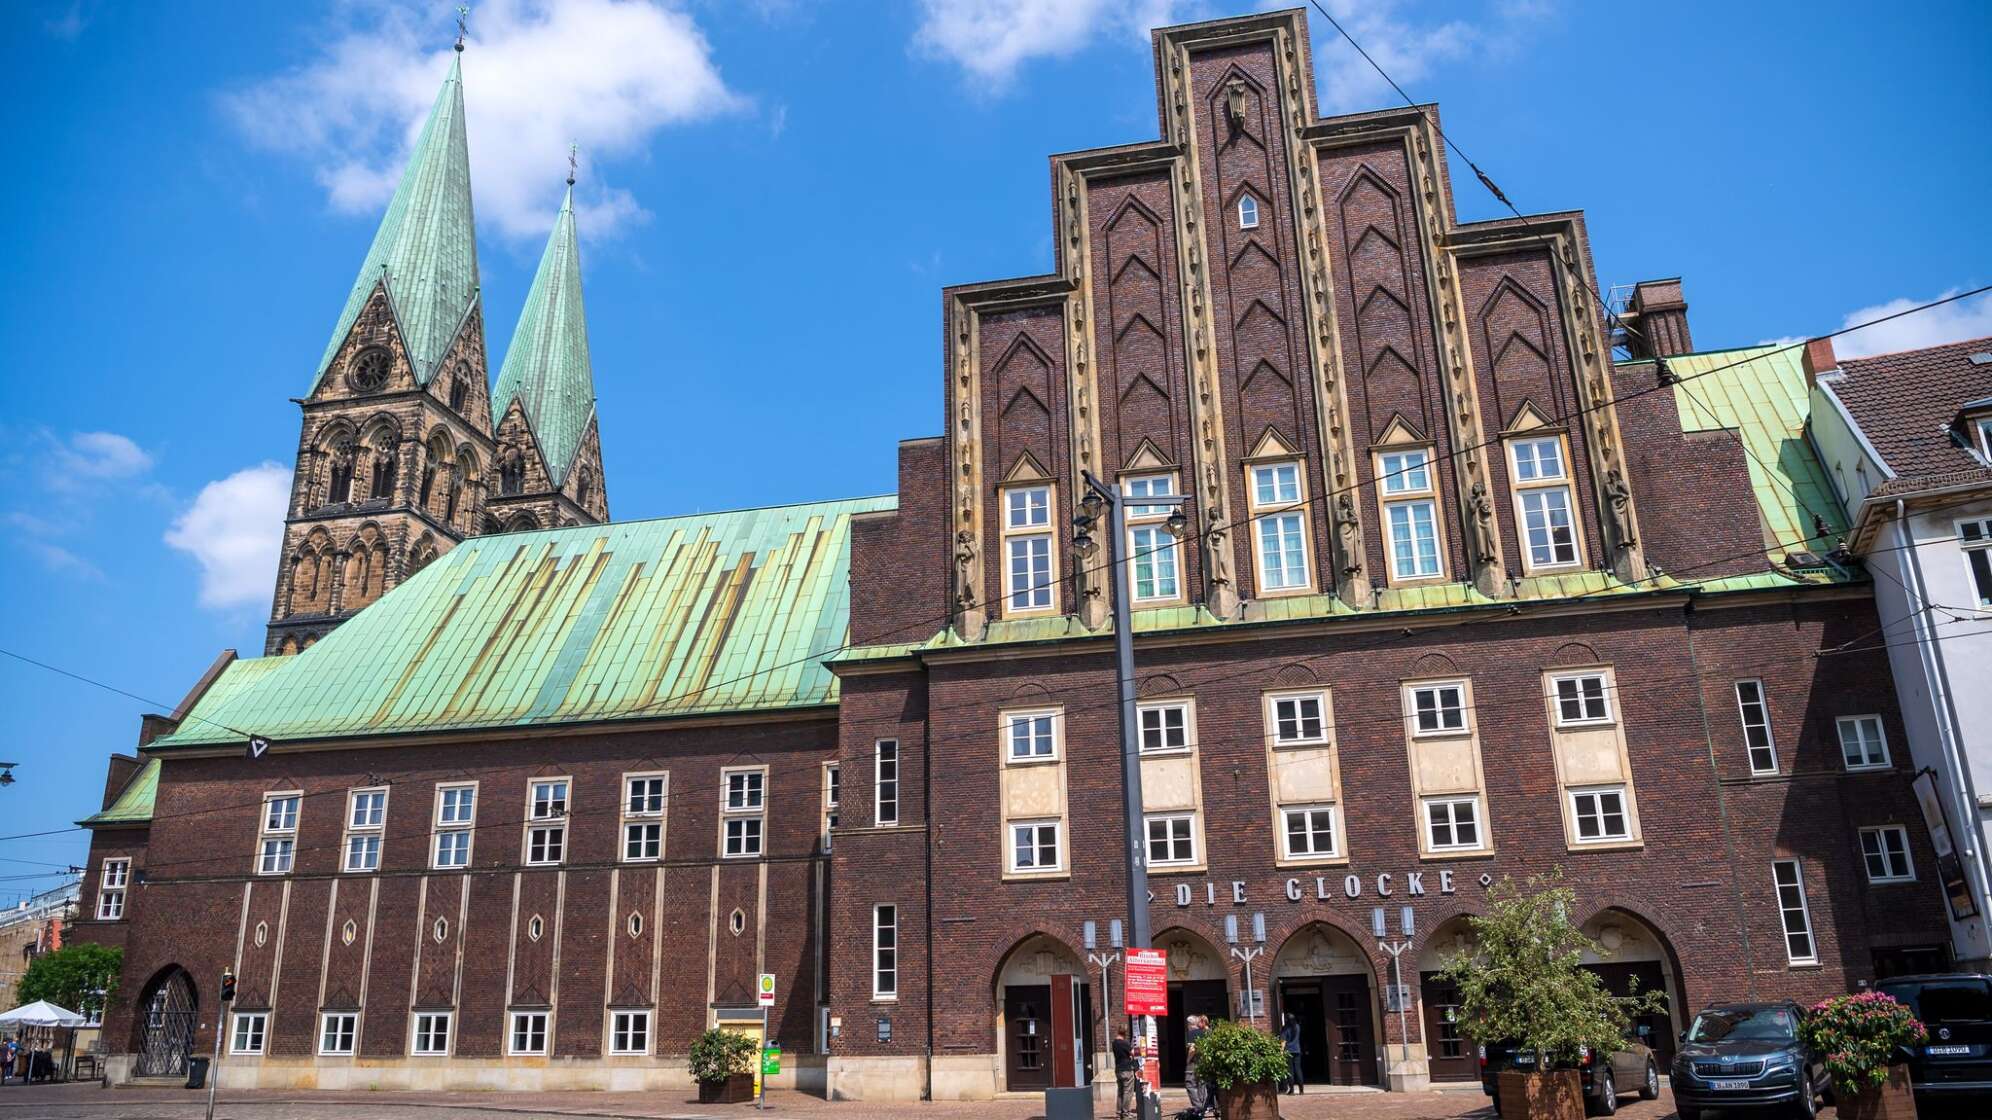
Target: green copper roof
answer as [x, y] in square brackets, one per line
[134, 803]
[425, 249]
[720, 612]
[547, 365]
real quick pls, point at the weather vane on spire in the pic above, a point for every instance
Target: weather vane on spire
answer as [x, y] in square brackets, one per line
[463, 18]
[573, 151]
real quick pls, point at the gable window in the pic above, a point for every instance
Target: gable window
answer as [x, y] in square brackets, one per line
[1794, 912]
[1248, 212]
[1298, 717]
[366, 818]
[1027, 549]
[250, 1028]
[456, 809]
[337, 1031]
[1452, 823]
[1541, 480]
[1756, 714]
[643, 816]
[1600, 814]
[1165, 728]
[630, 1032]
[1438, 709]
[743, 805]
[1151, 547]
[1031, 736]
[277, 843]
[432, 1033]
[1310, 831]
[1886, 852]
[112, 882]
[885, 952]
[1171, 839]
[1034, 846]
[1281, 527]
[1410, 513]
[1862, 743]
[528, 1033]
[1581, 699]
[546, 821]
[886, 795]
[1974, 539]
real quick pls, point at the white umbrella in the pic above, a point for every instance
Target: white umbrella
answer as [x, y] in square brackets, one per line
[41, 1013]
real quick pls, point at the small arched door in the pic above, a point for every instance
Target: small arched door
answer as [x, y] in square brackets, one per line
[168, 1013]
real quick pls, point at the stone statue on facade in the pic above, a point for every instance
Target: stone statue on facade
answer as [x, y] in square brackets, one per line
[1234, 102]
[1619, 495]
[1349, 536]
[1483, 524]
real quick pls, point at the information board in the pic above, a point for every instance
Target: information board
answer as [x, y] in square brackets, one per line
[1147, 986]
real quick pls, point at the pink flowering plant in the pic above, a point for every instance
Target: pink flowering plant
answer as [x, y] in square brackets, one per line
[1859, 1035]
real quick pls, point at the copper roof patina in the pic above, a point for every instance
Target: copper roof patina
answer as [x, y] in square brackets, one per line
[133, 806]
[681, 616]
[547, 367]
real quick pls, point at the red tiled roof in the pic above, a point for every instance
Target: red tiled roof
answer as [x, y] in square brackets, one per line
[1905, 401]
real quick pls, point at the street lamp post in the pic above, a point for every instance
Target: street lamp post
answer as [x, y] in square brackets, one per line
[1400, 993]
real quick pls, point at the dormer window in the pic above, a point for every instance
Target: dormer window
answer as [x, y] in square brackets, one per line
[1983, 425]
[1248, 212]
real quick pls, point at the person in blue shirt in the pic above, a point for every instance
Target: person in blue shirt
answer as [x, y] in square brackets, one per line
[1290, 1037]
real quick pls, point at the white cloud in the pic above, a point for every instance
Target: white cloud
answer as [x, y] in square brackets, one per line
[235, 530]
[1407, 52]
[1952, 322]
[603, 74]
[33, 535]
[991, 38]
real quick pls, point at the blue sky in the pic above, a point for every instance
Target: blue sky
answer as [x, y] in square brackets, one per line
[772, 195]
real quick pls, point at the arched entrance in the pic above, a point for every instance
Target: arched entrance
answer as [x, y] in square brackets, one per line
[1452, 1055]
[1199, 984]
[168, 1013]
[1044, 1026]
[1636, 954]
[1323, 980]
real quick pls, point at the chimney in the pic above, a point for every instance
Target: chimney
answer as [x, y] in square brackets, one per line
[1818, 360]
[117, 776]
[1658, 316]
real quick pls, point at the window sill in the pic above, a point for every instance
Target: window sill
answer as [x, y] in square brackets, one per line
[1036, 876]
[1285, 592]
[1883, 768]
[1627, 844]
[1435, 855]
[1449, 733]
[1909, 882]
[1312, 861]
[1164, 870]
[1300, 744]
[1050, 760]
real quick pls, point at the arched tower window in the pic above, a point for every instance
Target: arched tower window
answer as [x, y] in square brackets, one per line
[584, 488]
[459, 388]
[341, 487]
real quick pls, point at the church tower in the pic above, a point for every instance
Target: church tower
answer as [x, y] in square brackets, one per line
[395, 451]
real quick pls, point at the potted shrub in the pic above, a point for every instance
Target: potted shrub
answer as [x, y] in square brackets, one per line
[1524, 981]
[1246, 1065]
[723, 1065]
[1862, 1038]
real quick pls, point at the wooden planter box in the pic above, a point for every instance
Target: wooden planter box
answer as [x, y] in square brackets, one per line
[1557, 1095]
[738, 1089]
[1250, 1102]
[1894, 1099]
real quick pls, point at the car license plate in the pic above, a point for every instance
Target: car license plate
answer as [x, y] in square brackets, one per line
[1936, 1051]
[1729, 1084]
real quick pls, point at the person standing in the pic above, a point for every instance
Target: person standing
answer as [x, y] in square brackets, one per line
[1290, 1038]
[1127, 1078]
[7, 1051]
[1199, 1093]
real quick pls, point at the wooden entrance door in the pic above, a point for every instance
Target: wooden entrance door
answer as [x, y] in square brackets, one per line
[1655, 1030]
[1186, 998]
[1452, 1056]
[1027, 1027]
[1303, 1001]
[1351, 1034]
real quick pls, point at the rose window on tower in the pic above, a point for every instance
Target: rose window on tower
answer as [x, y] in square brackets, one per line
[368, 373]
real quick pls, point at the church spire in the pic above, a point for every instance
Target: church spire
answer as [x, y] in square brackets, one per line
[546, 366]
[425, 251]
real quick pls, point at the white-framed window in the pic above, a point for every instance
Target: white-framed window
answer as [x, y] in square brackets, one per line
[629, 1032]
[432, 1033]
[1166, 727]
[1789, 879]
[1438, 708]
[1974, 541]
[338, 1031]
[1034, 847]
[546, 820]
[1452, 823]
[1279, 516]
[1984, 426]
[833, 799]
[1297, 718]
[1410, 496]
[1309, 832]
[1153, 556]
[1029, 561]
[743, 804]
[1600, 814]
[644, 799]
[885, 797]
[249, 1032]
[528, 1034]
[885, 952]
[1863, 746]
[1582, 698]
[276, 847]
[1886, 852]
[1755, 712]
[1248, 212]
[1172, 838]
[455, 823]
[112, 883]
[1543, 506]
[1030, 736]
[366, 824]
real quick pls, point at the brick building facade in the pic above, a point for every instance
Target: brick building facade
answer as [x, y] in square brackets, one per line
[1456, 598]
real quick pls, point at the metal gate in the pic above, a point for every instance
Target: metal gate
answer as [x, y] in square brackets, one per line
[167, 1034]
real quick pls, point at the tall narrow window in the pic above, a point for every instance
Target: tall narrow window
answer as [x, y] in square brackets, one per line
[1410, 513]
[456, 812]
[1151, 549]
[112, 882]
[833, 796]
[546, 821]
[1886, 852]
[1027, 550]
[1756, 714]
[643, 817]
[1974, 539]
[1280, 527]
[1792, 908]
[886, 798]
[743, 808]
[366, 822]
[1862, 744]
[885, 952]
[277, 841]
[1248, 212]
[1541, 482]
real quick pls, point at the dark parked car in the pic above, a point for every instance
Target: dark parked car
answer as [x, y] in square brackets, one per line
[1957, 1010]
[1632, 1071]
[1747, 1056]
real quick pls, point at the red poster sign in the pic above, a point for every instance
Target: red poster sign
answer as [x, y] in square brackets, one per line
[1147, 986]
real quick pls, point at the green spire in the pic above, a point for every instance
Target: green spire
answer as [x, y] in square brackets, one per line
[546, 367]
[426, 248]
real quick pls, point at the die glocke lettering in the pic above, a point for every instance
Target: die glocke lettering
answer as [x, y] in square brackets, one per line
[1385, 884]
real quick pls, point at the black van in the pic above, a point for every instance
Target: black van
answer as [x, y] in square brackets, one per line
[1957, 1009]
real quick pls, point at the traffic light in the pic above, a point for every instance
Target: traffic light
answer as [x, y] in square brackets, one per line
[227, 985]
